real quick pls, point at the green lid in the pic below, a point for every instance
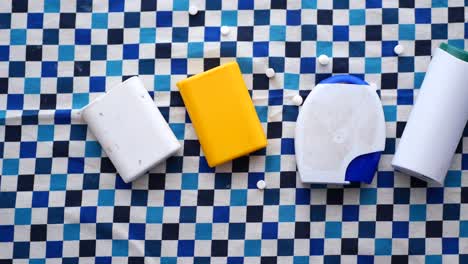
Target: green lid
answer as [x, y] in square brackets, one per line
[454, 51]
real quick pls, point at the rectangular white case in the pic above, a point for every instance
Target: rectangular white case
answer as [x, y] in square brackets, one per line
[130, 129]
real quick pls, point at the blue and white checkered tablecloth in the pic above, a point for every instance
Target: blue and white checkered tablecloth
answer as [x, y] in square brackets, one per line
[60, 199]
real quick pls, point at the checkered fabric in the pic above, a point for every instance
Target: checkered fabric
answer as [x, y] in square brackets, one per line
[60, 198]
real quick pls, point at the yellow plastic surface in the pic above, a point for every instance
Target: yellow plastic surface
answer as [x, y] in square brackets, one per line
[222, 113]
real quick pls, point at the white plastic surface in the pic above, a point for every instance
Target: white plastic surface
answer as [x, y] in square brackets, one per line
[437, 120]
[337, 123]
[130, 129]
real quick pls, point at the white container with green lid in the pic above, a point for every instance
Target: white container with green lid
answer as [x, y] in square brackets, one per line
[438, 118]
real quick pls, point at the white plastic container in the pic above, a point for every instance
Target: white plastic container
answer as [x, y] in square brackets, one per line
[130, 129]
[437, 119]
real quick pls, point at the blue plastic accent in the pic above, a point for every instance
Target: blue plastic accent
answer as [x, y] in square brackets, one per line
[345, 79]
[362, 168]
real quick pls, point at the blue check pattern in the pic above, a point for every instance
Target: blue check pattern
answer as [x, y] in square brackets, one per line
[60, 198]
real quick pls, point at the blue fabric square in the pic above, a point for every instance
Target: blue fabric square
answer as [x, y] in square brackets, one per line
[152, 248]
[7, 199]
[435, 195]
[422, 15]
[228, 18]
[180, 5]
[4, 53]
[163, 19]
[269, 230]
[273, 163]
[154, 214]
[185, 248]
[406, 64]
[212, 34]
[340, 33]
[82, 36]
[66, 53]
[28, 149]
[238, 198]
[99, 20]
[146, 66]
[188, 214]
[190, 181]
[302, 196]
[439, 31]
[366, 229]
[130, 51]
[236, 230]
[387, 48]
[406, 32]
[293, 17]
[54, 249]
[18, 37]
[287, 146]
[45, 133]
[5, 21]
[106, 197]
[373, 3]
[291, 81]
[316, 247]
[357, 17]
[203, 231]
[417, 246]
[373, 65]
[418, 212]
[179, 66]
[132, 19]
[7, 233]
[71, 232]
[75, 165]
[350, 212]
[324, 47]
[252, 248]
[21, 250]
[245, 4]
[453, 179]
[179, 34]
[400, 230]
[116, 5]
[390, 16]
[136, 231]
[80, 100]
[357, 48]
[332, 229]
[172, 198]
[450, 245]
[390, 112]
[228, 49]
[55, 215]
[147, 35]
[309, 32]
[52, 6]
[15, 101]
[88, 214]
[92, 149]
[383, 247]
[114, 68]
[260, 49]
[40, 199]
[22, 215]
[440, 3]
[97, 84]
[35, 20]
[16, 69]
[49, 69]
[262, 17]
[195, 50]
[287, 213]
[285, 247]
[275, 97]
[120, 248]
[278, 33]
[405, 96]
[307, 65]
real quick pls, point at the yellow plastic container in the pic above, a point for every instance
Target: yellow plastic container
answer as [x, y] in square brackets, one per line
[222, 113]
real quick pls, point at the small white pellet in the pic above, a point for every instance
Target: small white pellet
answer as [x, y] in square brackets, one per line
[225, 30]
[193, 10]
[399, 49]
[270, 72]
[297, 99]
[323, 59]
[261, 184]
